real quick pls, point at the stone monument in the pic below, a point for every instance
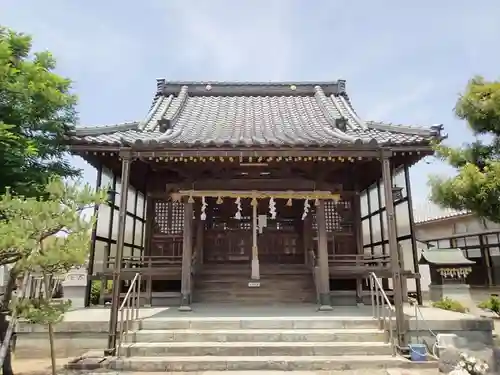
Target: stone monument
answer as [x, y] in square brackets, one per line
[75, 287]
[449, 269]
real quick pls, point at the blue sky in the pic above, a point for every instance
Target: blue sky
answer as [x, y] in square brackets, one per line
[404, 62]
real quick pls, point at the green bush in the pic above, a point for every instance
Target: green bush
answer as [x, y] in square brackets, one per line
[95, 291]
[492, 304]
[451, 305]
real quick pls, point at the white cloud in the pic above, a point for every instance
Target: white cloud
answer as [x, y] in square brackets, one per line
[233, 39]
[400, 102]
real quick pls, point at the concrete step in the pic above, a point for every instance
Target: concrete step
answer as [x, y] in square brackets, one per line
[263, 363]
[150, 349]
[306, 322]
[262, 335]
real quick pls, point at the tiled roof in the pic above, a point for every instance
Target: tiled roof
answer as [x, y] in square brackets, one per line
[450, 256]
[429, 212]
[253, 114]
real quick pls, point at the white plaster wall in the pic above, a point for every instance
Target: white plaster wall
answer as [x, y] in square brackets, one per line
[430, 230]
[438, 229]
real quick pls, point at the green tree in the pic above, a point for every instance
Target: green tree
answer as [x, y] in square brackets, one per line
[37, 111]
[47, 237]
[476, 186]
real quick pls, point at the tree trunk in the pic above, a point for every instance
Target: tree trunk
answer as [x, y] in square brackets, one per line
[7, 363]
[48, 296]
[4, 323]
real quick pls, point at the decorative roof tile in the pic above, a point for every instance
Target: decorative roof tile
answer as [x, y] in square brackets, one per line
[252, 114]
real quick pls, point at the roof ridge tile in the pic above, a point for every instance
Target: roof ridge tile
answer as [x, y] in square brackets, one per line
[273, 114]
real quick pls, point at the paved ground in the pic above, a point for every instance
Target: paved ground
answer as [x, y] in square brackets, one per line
[36, 366]
[101, 314]
[42, 367]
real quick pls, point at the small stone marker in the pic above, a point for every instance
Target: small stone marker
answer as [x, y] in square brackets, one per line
[75, 286]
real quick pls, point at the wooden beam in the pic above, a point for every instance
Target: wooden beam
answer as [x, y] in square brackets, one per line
[150, 217]
[358, 231]
[307, 237]
[187, 254]
[159, 185]
[113, 319]
[324, 279]
[345, 150]
[414, 246]
[200, 234]
[259, 194]
[394, 251]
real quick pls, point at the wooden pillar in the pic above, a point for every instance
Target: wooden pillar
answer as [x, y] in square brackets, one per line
[255, 250]
[150, 218]
[187, 254]
[90, 269]
[307, 237]
[358, 231]
[393, 250]
[324, 271]
[115, 302]
[200, 229]
[414, 247]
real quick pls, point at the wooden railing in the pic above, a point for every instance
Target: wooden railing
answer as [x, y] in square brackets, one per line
[136, 263]
[359, 261]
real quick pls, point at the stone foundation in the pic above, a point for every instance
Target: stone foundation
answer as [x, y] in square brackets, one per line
[457, 292]
[72, 339]
[474, 336]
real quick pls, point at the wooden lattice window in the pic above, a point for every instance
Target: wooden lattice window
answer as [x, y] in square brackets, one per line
[338, 216]
[169, 217]
[222, 216]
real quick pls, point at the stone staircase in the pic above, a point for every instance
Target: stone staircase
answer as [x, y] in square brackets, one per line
[278, 284]
[317, 342]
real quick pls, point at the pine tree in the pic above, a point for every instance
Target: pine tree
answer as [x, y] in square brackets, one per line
[48, 237]
[476, 186]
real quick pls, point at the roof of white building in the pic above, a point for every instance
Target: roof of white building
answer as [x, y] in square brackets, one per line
[432, 212]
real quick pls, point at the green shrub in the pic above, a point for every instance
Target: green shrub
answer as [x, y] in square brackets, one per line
[492, 304]
[451, 305]
[95, 291]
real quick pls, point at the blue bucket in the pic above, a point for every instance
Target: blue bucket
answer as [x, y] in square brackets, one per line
[418, 352]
